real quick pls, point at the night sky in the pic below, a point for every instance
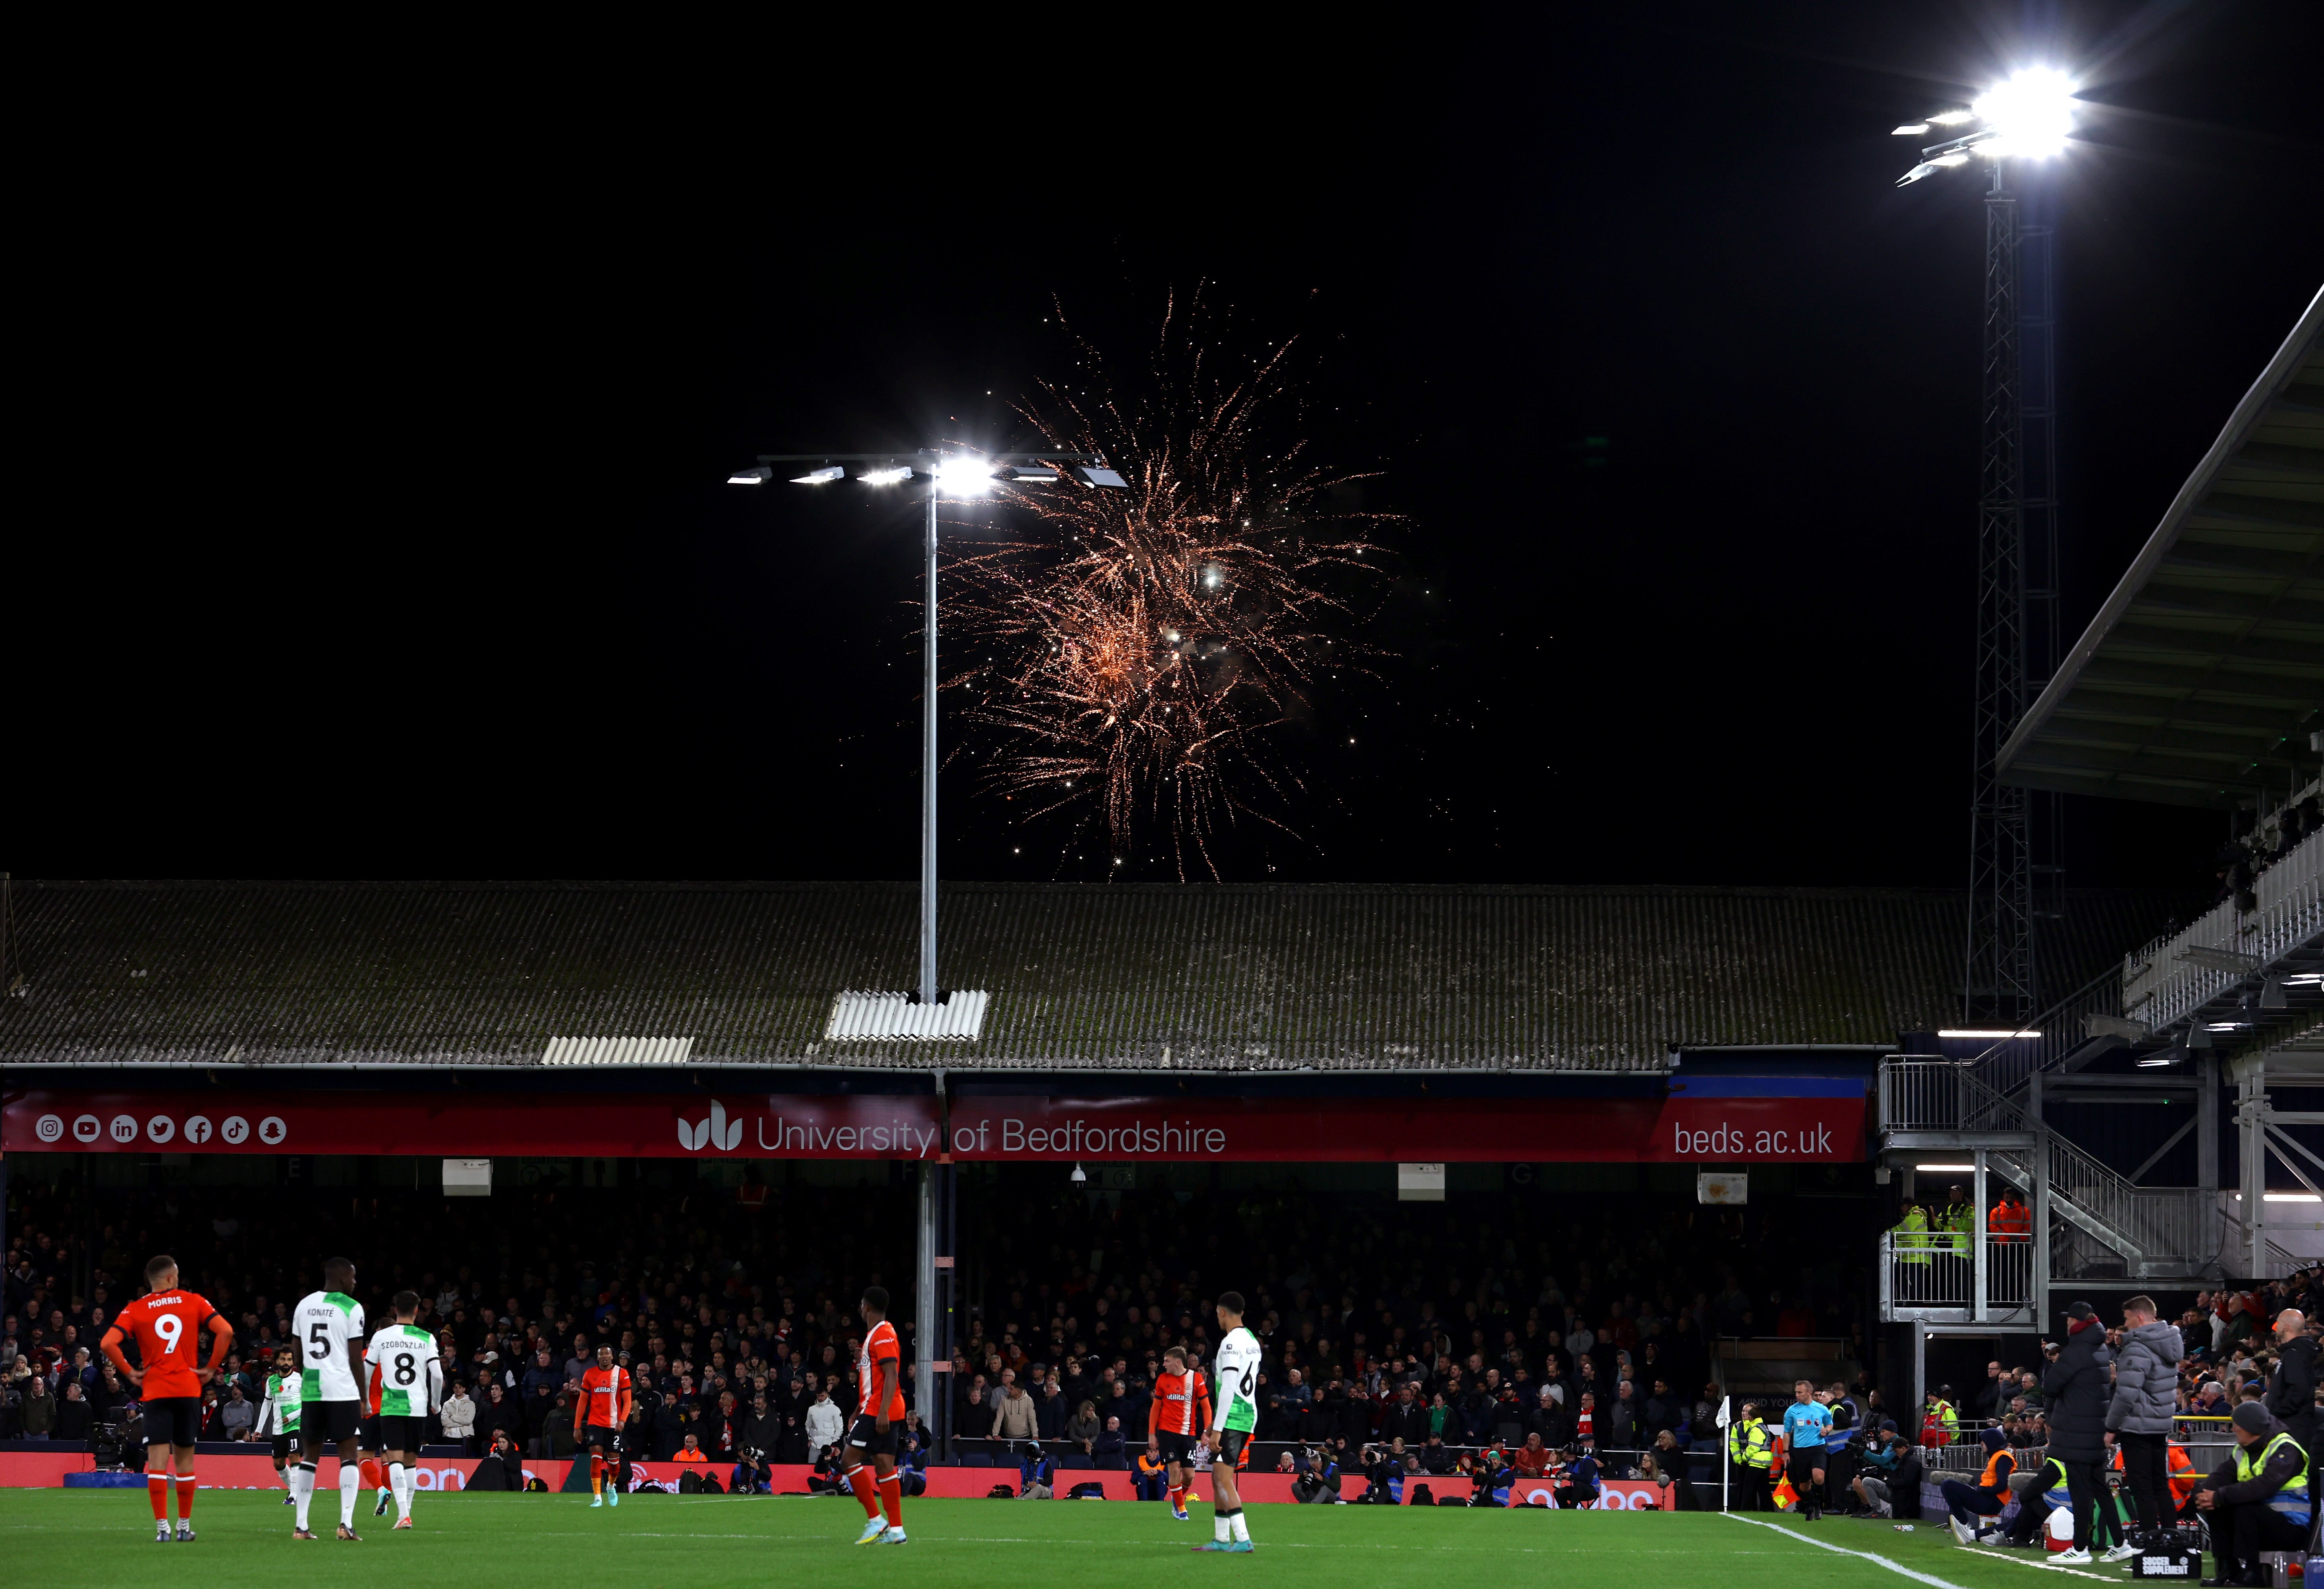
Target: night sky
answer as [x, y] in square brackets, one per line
[387, 441]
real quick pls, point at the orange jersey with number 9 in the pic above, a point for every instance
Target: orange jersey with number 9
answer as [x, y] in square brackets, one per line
[167, 1326]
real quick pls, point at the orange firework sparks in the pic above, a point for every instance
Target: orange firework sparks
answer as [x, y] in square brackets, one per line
[1140, 645]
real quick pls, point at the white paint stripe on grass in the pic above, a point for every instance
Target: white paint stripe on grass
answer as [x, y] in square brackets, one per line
[1894, 1566]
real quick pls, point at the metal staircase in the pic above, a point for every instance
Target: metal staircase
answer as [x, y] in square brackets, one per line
[2089, 1222]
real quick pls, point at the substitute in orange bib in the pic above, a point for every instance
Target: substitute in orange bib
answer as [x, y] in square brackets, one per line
[166, 1323]
[1180, 1412]
[2011, 1220]
[879, 1369]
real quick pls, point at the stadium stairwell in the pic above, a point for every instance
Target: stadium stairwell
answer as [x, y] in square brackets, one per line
[2086, 1219]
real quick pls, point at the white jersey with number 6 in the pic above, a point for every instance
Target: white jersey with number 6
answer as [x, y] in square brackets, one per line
[1234, 1400]
[327, 1323]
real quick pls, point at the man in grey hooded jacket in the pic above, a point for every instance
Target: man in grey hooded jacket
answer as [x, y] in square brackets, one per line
[2146, 1396]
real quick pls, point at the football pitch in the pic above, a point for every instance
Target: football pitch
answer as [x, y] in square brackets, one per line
[59, 1539]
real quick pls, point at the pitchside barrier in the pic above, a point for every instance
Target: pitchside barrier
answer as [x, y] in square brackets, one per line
[243, 1469]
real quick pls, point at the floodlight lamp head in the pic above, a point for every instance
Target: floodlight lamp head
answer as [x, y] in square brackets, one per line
[1909, 130]
[756, 475]
[1949, 118]
[1098, 475]
[823, 476]
[2031, 113]
[1927, 168]
[886, 475]
[963, 477]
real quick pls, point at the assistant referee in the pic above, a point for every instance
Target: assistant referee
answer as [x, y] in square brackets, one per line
[1806, 1422]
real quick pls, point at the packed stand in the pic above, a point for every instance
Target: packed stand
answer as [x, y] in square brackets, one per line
[1565, 1337]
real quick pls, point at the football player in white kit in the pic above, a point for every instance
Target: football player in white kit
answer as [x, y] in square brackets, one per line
[1234, 1416]
[329, 1330]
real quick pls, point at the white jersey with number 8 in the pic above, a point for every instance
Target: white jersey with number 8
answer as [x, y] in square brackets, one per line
[327, 1323]
[411, 1369]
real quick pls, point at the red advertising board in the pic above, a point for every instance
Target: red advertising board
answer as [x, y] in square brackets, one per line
[1682, 1128]
[1687, 1126]
[739, 1125]
[26, 1470]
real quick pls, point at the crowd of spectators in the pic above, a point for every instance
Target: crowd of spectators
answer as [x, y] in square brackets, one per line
[2231, 1356]
[1433, 1332]
[2260, 842]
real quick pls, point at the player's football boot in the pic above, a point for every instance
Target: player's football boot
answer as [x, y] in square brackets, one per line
[872, 1529]
[161, 1533]
[381, 1509]
[347, 1533]
[1211, 1545]
[613, 1495]
[597, 1499]
[1181, 1515]
[302, 1533]
[185, 1533]
[290, 1500]
[1239, 1547]
[894, 1537]
[403, 1522]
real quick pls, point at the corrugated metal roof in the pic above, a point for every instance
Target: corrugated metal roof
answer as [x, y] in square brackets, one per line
[2198, 680]
[1273, 977]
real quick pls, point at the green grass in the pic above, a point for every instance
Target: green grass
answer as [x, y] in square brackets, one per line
[60, 1539]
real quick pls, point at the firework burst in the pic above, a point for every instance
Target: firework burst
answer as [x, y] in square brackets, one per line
[1143, 647]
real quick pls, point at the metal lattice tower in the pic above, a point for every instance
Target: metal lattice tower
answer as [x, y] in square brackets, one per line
[2001, 981]
[2046, 639]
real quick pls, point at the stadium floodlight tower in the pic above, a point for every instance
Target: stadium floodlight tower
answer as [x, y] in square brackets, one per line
[956, 477]
[2014, 859]
[959, 476]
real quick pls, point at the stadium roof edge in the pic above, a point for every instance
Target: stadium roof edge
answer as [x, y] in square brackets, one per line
[1247, 979]
[2208, 655]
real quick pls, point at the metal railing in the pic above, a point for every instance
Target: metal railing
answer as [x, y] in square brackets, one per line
[1942, 1095]
[2164, 1225]
[2159, 987]
[2147, 1225]
[2006, 1064]
[1928, 1271]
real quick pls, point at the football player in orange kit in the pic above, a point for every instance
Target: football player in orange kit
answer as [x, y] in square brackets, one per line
[879, 1371]
[597, 1423]
[1180, 1413]
[166, 1323]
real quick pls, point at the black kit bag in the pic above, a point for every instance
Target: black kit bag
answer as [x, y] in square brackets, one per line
[2172, 1559]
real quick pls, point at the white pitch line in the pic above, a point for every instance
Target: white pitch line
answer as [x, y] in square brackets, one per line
[1935, 1583]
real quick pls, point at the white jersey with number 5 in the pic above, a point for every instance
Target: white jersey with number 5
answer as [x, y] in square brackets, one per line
[1235, 1398]
[327, 1323]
